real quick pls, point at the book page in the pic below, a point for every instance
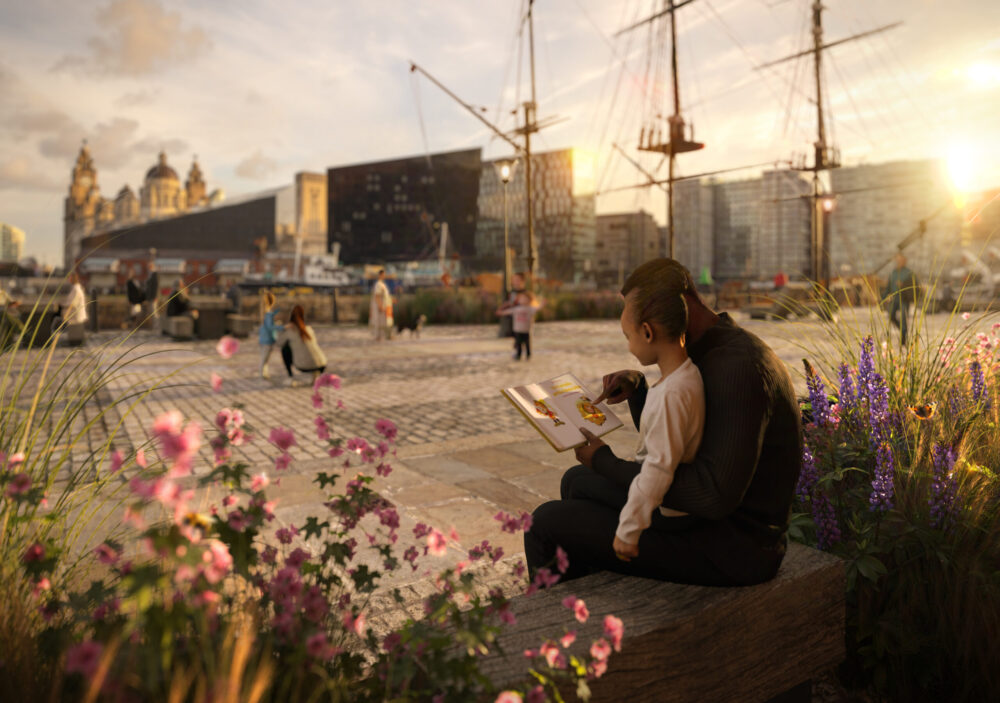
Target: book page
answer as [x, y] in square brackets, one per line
[573, 400]
[537, 405]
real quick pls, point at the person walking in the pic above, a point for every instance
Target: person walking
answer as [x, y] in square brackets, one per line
[269, 330]
[299, 348]
[901, 292]
[380, 311]
[153, 291]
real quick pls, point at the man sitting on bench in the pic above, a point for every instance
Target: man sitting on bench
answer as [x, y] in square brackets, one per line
[736, 492]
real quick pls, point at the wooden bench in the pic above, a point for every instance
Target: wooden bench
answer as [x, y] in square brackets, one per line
[239, 325]
[696, 643]
[179, 326]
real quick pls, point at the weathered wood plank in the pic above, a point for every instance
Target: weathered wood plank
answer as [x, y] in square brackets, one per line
[695, 643]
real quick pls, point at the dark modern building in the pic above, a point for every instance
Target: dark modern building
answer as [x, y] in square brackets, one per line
[234, 227]
[393, 210]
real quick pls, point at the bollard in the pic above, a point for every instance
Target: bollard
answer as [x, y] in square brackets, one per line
[336, 316]
[92, 308]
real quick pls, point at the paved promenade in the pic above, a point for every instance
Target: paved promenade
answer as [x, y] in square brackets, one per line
[464, 452]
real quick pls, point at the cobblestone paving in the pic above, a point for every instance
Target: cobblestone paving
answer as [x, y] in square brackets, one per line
[463, 452]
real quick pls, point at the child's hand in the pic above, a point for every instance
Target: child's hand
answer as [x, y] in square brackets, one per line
[585, 452]
[624, 550]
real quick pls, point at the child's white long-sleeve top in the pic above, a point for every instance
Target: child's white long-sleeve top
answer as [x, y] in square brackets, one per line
[669, 433]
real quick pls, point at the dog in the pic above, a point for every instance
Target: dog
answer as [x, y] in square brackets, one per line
[414, 327]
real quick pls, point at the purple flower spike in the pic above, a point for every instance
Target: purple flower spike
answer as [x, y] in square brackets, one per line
[944, 487]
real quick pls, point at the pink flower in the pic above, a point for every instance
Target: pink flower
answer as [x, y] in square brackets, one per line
[297, 558]
[322, 428]
[568, 639]
[507, 617]
[578, 607]
[614, 629]
[218, 561]
[282, 438]
[509, 697]
[106, 554]
[600, 650]
[116, 461]
[140, 458]
[562, 561]
[437, 545]
[238, 520]
[259, 482]
[35, 552]
[43, 584]
[598, 668]
[965, 316]
[168, 423]
[511, 523]
[553, 656]
[317, 399]
[216, 381]
[327, 380]
[282, 462]
[536, 695]
[317, 646]
[223, 418]
[19, 484]
[229, 500]
[227, 346]
[386, 428]
[357, 624]
[83, 658]
[285, 534]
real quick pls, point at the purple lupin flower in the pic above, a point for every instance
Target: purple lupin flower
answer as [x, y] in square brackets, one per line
[818, 401]
[880, 424]
[955, 401]
[808, 476]
[848, 401]
[866, 369]
[979, 394]
[823, 514]
[825, 518]
[944, 486]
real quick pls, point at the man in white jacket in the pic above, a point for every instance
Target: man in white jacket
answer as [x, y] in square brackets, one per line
[380, 312]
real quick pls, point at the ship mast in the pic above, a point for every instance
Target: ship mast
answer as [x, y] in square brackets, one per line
[677, 143]
[825, 156]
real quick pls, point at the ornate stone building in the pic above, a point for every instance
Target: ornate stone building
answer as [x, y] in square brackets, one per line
[160, 196]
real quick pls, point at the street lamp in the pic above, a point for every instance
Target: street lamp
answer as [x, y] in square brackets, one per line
[505, 169]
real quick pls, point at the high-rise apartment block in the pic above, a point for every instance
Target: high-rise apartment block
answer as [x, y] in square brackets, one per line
[879, 205]
[11, 243]
[562, 184]
[624, 241]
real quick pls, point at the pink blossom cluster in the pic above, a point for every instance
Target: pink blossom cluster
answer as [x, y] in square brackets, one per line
[512, 524]
[179, 443]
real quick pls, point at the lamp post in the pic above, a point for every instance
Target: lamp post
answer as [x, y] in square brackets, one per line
[506, 171]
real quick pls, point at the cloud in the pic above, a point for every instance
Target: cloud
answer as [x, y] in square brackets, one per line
[24, 112]
[113, 144]
[19, 174]
[137, 98]
[256, 167]
[141, 38]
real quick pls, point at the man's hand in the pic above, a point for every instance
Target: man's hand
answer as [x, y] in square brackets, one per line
[619, 386]
[624, 550]
[585, 452]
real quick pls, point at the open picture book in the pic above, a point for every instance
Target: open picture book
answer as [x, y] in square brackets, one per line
[559, 407]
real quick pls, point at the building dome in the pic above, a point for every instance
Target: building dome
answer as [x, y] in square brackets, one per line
[162, 171]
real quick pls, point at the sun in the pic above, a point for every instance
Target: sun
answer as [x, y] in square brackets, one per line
[964, 168]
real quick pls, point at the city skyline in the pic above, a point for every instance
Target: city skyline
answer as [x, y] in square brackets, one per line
[259, 93]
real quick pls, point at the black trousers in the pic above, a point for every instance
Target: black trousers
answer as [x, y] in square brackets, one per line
[522, 339]
[684, 549]
[286, 357]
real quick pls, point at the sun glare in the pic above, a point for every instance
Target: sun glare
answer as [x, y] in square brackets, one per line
[963, 168]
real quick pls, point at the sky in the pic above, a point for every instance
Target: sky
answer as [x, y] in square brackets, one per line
[260, 90]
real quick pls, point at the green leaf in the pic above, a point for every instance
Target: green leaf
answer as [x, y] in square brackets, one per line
[871, 567]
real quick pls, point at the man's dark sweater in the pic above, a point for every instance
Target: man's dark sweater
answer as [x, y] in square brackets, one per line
[740, 484]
